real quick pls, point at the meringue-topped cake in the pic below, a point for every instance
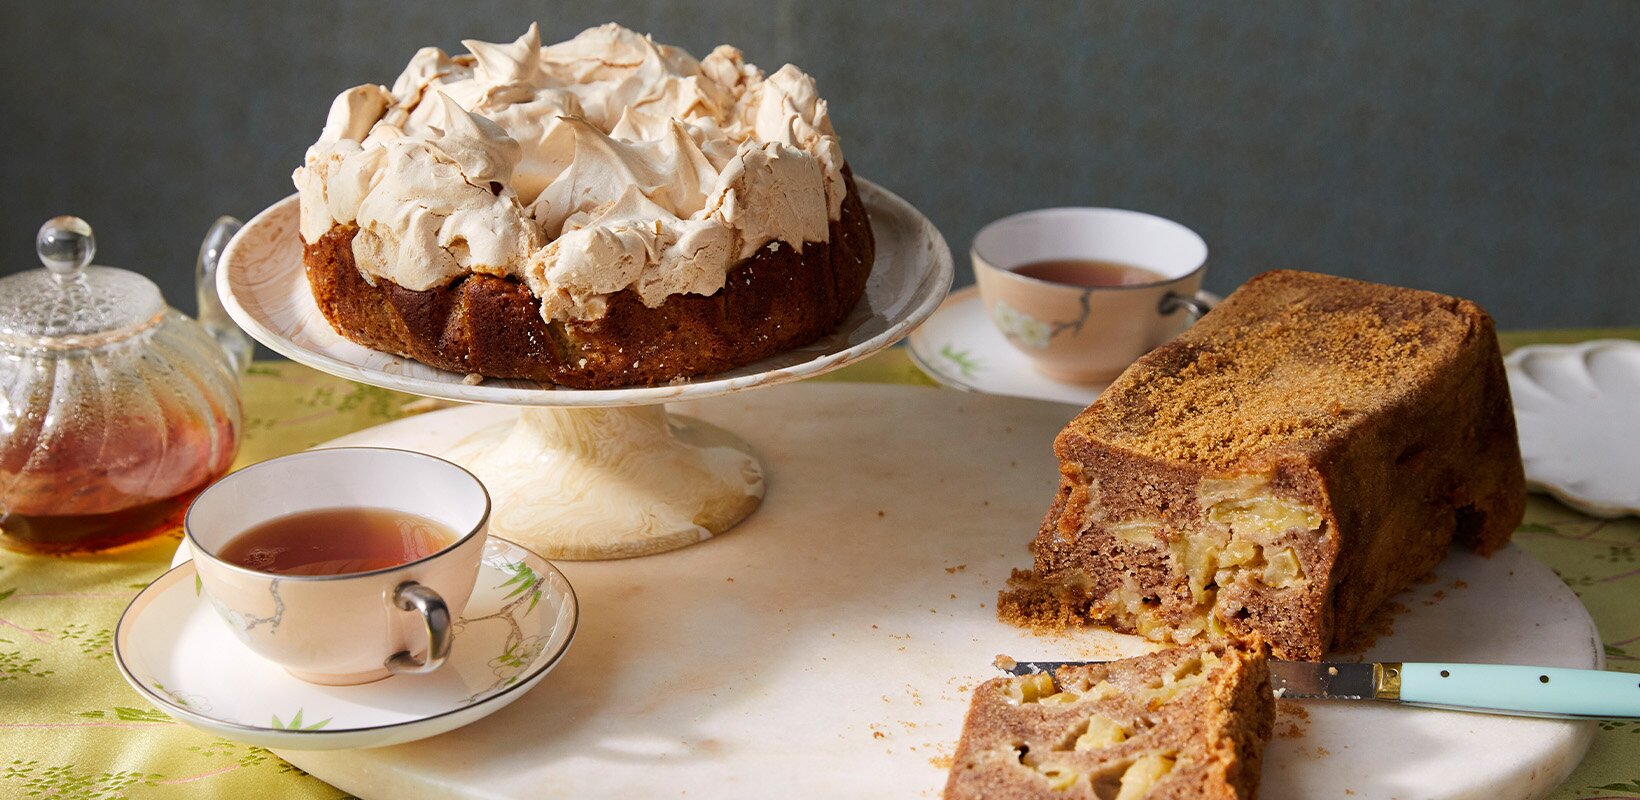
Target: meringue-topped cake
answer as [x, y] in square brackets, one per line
[602, 212]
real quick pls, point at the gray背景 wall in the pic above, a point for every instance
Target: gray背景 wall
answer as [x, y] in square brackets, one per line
[1484, 148]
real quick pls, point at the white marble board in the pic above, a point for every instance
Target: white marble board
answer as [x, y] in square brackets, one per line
[827, 645]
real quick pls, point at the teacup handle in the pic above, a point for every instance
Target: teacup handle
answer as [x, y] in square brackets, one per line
[412, 596]
[1195, 305]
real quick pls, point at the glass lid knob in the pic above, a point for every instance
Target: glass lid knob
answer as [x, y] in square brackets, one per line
[70, 297]
[66, 246]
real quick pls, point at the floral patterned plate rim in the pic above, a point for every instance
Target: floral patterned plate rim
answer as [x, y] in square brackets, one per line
[961, 348]
[1576, 408]
[174, 649]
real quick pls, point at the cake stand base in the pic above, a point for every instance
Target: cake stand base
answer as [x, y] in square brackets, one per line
[603, 483]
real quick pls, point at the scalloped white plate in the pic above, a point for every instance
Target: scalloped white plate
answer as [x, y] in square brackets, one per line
[1578, 409]
[264, 287]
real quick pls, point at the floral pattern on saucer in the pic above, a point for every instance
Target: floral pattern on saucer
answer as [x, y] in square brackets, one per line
[964, 347]
[175, 649]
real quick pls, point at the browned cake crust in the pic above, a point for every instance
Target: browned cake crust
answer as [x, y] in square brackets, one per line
[1307, 450]
[778, 299]
[1207, 710]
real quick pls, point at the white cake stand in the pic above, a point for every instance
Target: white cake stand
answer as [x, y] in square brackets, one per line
[606, 473]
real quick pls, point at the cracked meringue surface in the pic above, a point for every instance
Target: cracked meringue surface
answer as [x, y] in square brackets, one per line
[580, 169]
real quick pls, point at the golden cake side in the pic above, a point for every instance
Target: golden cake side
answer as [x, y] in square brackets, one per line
[482, 324]
[1304, 452]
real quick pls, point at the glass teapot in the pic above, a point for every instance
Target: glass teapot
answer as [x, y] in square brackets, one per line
[115, 409]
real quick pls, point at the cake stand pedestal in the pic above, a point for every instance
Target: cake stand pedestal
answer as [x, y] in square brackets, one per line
[592, 483]
[597, 473]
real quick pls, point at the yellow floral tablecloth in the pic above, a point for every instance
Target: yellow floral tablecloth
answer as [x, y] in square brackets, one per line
[71, 728]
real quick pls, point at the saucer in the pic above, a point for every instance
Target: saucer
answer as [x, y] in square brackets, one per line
[961, 348]
[1576, 406]
[175, 650]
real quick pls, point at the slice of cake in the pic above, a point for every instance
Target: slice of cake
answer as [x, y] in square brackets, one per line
[1301, 454]
[1190, 722]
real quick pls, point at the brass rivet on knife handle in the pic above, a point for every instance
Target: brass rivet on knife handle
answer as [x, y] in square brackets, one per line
[1386, 680]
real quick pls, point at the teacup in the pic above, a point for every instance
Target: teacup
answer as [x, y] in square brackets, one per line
[354, 627]
[1083, 333]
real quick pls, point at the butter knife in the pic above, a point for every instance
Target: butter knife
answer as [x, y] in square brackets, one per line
[1487, 688]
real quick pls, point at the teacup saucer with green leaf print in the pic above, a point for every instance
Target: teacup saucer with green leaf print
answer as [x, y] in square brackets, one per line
[176, 651]
[960, 346]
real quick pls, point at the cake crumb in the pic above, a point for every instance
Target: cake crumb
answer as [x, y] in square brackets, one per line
[882, 513]
[1292, 720]
[956, 569]
[472, 379]
[1004, 662]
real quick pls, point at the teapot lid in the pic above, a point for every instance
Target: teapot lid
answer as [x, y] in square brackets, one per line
[70, 299]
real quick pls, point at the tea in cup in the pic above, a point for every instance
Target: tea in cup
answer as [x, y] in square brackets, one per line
[344, 565]
[1083, 292]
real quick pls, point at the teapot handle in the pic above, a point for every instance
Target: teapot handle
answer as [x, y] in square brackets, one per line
[212, 314]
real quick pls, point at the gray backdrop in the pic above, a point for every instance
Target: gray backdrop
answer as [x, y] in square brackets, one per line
[1479, 148]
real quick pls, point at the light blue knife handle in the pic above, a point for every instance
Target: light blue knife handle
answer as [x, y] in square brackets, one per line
[1522, 690]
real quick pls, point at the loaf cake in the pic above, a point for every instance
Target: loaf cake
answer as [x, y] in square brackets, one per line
[602, 212]
[1305, 451]
[1186, 723]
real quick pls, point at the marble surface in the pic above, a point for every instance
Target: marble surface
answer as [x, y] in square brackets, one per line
[826, 646]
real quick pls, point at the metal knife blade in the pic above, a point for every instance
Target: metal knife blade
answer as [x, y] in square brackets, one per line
[1297, 679]
[1552, 692]
[1327, 681]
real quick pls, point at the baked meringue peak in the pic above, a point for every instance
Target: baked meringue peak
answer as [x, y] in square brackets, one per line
[671, 172]
[611, 52]
[515, 62]
[603, 163]
[354, 112]
[481, 148]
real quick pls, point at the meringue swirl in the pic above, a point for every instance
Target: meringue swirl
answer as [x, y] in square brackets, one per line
[581, 169]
